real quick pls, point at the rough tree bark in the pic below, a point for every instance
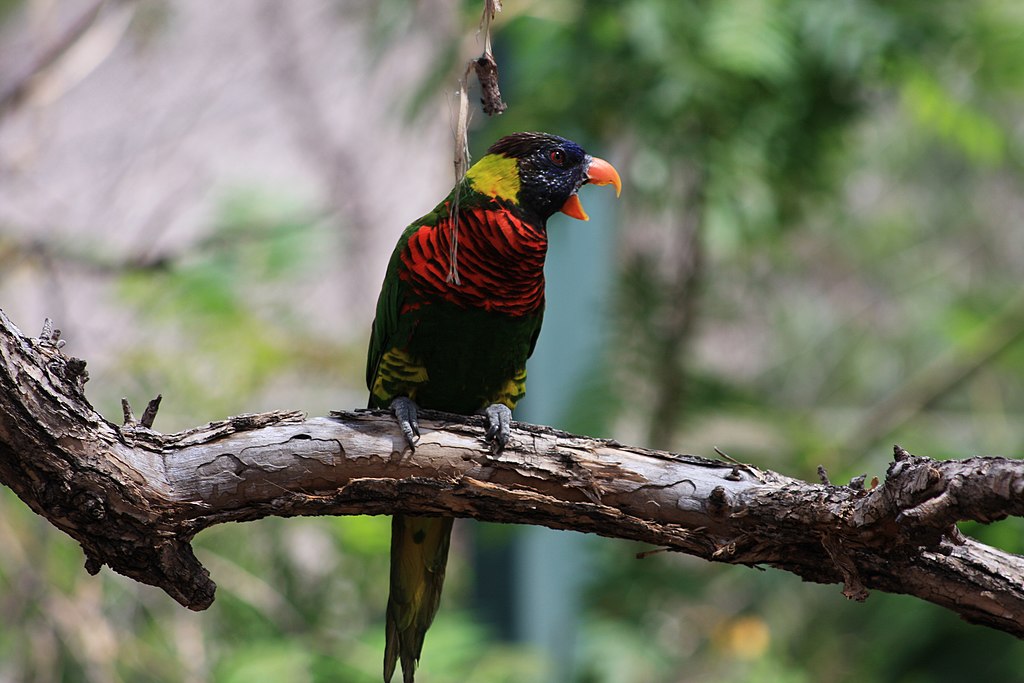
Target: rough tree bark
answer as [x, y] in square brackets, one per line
[134, 498]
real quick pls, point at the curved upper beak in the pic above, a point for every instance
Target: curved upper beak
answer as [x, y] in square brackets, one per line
[599, 172]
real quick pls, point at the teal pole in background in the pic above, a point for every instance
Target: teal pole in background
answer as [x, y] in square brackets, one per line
[529, 582]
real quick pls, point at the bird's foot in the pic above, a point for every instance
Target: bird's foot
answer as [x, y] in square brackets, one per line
[404, 409]
[499, 426]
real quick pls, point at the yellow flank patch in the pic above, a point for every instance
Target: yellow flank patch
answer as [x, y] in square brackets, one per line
[495, 176]
[513, 390]
[398, 375]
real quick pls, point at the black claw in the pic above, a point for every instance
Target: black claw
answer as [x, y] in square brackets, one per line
[404, 410]
[499, 427]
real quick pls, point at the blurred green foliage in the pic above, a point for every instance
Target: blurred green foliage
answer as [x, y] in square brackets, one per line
[858, 178]
[227, 307]
[853, 171]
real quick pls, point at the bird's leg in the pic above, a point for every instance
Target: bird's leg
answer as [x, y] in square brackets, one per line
[404, 409]
[499, 426]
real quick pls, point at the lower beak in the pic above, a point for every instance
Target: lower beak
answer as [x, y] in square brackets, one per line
[599, 172]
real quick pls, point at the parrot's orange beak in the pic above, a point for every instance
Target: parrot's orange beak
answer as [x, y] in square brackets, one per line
[599, 172]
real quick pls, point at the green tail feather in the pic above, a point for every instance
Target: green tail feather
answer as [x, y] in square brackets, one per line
[419, 553]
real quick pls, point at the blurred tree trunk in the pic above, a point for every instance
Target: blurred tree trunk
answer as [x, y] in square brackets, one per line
[677, 317]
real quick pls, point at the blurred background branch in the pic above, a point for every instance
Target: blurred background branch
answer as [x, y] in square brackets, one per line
[943, 376]
[46, 60]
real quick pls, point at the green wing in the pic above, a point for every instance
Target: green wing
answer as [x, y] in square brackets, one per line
[392, 329]
[385, 322]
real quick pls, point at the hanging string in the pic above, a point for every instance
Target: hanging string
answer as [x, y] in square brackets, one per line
[486, 69]
[461, 166]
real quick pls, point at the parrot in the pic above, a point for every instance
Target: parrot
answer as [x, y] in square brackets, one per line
[458, 314]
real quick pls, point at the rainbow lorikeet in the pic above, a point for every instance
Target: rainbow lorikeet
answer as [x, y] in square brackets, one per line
[457, 338]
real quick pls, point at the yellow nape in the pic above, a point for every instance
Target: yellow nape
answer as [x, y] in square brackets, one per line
[495, 176]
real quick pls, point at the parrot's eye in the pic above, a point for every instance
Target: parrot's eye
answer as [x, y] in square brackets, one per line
[558, 157]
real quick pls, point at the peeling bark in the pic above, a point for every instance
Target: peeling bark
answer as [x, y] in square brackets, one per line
[134, 498]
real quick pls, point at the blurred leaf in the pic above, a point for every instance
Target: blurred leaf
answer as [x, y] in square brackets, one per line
[267, 661]
[366, 535]
[750, 38]
[953, 120]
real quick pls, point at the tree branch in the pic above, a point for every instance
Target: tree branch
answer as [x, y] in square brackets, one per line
[134, 498]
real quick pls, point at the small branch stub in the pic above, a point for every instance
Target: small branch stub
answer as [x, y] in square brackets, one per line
[148, 416]
[126, 412]
[150, 413]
